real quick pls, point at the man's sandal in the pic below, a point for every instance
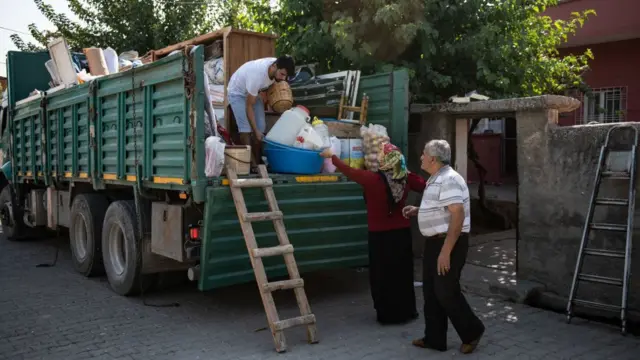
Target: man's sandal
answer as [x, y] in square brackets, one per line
[470, 347]
[422, 344]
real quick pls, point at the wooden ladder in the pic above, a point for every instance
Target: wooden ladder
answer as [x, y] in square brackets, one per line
[256, 254]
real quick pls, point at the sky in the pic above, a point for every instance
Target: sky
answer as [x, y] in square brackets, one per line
[18, 17]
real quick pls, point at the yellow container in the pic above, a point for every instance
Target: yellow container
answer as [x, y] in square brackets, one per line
[351, 152]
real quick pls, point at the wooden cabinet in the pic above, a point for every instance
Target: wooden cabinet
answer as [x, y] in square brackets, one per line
[238, 47]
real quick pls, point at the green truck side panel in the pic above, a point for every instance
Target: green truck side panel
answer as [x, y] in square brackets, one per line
[161, 139]
[69, 150]
[27, 139]
[198, 178]
[388, 104]
[6, 169]
[25, 72]
[326, 222]
[156, 108]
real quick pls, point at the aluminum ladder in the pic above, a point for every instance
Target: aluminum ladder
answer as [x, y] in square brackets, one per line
[256, 254]
[608, 169]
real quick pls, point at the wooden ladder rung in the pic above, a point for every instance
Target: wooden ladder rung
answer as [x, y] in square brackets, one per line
[283, 285]
[352, 108]
[273, 251]
[250, 183]
[296, 321]
[263, 216]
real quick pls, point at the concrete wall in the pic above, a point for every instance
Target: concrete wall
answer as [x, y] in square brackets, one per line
[557, 166]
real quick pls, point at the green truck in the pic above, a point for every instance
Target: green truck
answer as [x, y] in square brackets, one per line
[120, 160]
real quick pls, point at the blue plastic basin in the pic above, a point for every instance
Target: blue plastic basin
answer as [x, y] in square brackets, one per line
[291, 160]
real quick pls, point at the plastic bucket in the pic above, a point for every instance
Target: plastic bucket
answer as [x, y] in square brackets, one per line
[290, 160]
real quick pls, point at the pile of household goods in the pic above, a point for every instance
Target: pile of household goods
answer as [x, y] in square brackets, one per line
[294, 142]
[214, 70]
[68, 69]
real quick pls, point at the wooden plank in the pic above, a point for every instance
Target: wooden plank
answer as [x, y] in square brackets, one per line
[262, 216]
[341, 108]
[283, 285]
[365, 109]
[202, 39]
[296, 321]
[256, 262]
[272, 251]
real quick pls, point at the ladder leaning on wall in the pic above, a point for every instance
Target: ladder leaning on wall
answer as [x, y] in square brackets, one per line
[277, 326]
[613, 165]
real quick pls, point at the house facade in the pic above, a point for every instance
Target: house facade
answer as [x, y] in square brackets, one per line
[613, 35]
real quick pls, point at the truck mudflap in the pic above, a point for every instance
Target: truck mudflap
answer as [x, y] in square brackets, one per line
[326, 224]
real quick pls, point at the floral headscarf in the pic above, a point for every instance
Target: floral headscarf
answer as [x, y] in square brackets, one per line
[393, 167]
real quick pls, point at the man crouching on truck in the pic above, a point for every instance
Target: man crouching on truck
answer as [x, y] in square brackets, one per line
[243, 91]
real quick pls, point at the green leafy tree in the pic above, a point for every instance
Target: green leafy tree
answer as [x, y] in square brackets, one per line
[498, 47]
[139, 25]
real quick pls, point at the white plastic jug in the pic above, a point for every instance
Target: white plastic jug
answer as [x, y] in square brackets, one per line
[323, 131]
[336, 146]
[308, 139]
[285, 130]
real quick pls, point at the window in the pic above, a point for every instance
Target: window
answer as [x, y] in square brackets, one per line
[489, 126]
[603, 105]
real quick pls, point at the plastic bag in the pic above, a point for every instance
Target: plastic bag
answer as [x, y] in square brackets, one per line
[211, 121]
[336, 147]
[372, 137]
[214, 156]
[215, 71]
[308, 139]
[111, 58]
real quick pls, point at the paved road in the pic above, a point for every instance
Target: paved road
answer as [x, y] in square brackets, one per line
[53, 313]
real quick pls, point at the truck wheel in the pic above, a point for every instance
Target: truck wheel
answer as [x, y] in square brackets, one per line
[10, 215]
[85, 233]
[121, 249]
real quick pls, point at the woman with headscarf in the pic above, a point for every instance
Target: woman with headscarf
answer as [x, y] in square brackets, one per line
[390, 245]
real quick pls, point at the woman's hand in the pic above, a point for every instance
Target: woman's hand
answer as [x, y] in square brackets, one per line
[326, 153]
[409, 211]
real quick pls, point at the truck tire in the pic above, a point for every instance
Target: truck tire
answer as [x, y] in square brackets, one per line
[85, 233]
[121, 249]
[11, 215]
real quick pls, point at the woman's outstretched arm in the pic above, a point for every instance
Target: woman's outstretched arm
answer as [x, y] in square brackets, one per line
[362, 177]
[416, 182]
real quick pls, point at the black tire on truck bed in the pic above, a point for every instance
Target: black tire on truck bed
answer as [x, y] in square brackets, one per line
[121, 251]
[15, 228]
[85, 233]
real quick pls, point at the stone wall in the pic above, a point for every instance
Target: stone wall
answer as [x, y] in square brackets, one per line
[556, 170]
[557, 167]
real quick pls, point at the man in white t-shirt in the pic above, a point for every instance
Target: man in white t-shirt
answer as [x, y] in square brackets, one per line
[243, 92]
